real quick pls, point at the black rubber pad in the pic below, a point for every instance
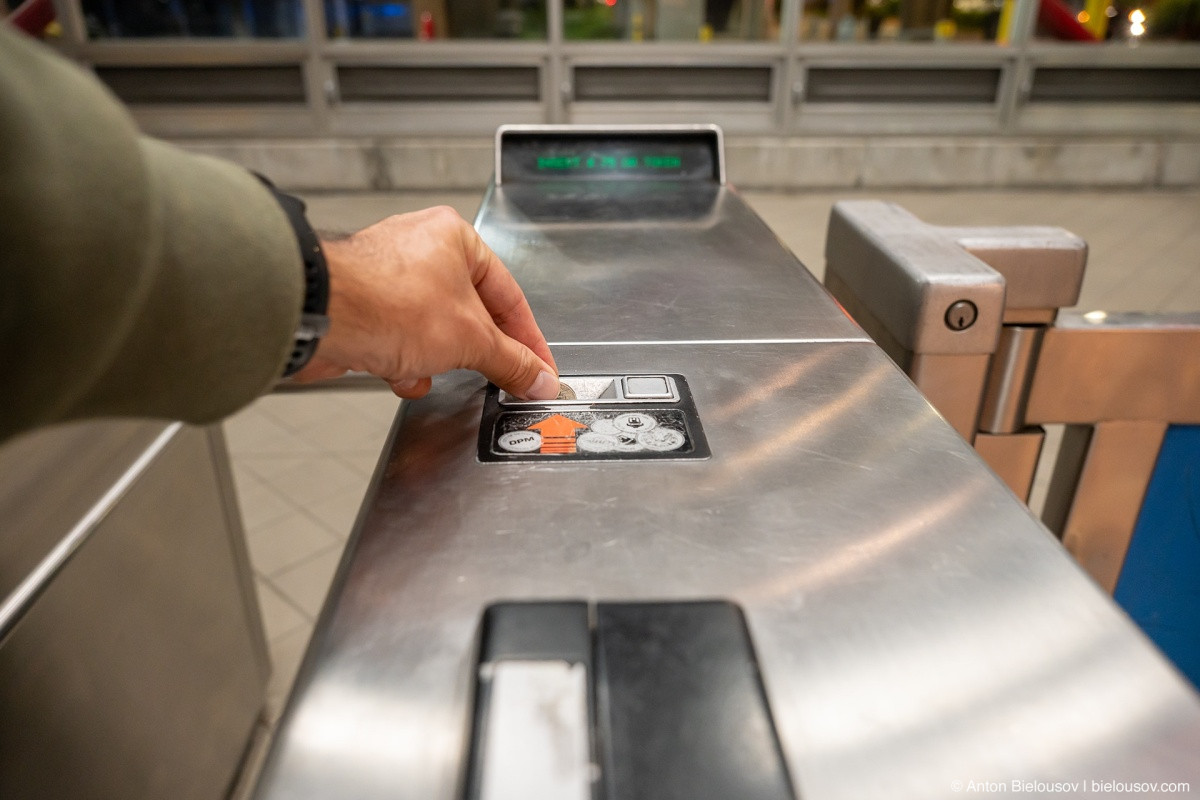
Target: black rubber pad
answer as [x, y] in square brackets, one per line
[681, 713]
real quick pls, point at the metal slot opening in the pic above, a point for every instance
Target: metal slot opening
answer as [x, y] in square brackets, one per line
[588, 389]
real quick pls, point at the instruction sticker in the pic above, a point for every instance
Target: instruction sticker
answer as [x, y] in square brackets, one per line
[591, 432]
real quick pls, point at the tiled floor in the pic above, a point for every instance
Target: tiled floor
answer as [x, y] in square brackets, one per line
[302, 461]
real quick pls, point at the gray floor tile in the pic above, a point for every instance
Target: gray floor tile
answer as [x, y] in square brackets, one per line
[268, 468]
[279, 616]
[346, 430]
[260, 504]
[251, 431]
[308, 480]
[338, 513]
[288, 541]
[307, 583]
[302, 412]
[380, 406]
[244, 480]
[364, 461]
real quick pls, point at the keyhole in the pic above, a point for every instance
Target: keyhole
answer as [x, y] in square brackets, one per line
[961, 315]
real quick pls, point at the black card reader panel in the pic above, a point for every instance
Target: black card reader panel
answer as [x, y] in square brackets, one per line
[675, 708]
[680, 705]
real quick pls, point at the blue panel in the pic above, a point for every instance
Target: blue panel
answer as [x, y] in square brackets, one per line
[1160, 583]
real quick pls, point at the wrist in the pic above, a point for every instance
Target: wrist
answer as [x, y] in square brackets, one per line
[345, 341]
[314, 319]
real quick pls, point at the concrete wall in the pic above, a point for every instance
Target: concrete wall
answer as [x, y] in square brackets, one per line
[753, 162]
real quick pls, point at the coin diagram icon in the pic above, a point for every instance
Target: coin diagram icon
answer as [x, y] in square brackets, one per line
[661, 439]
[604, 425]
[592, 442]
[627, 442]
[520, 441]
[635, 422]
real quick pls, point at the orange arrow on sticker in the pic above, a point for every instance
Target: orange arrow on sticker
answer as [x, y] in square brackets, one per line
[558, 433]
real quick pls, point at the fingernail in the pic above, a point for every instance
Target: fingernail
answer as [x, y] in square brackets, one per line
[544, 388]
[404, 386]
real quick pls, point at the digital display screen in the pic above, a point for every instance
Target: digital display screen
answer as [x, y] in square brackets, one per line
[601, 161]
[672, 156]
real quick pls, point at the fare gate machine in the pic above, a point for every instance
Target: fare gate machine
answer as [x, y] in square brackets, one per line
[746, 560]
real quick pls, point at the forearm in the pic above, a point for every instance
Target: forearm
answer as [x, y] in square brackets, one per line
[136, 279]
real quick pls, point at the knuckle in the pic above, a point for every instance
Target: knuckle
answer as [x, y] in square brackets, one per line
[445, 215]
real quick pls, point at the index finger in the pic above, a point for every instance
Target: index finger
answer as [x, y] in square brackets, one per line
[503, 298]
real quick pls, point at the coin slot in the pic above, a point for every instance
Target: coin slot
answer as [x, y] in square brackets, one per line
[592, 389]
[587, 389]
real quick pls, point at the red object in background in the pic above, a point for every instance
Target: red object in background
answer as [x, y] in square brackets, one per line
[1056, 17]
[427, 32]
[32, 16]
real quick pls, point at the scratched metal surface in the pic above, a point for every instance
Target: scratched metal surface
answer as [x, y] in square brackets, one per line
[631, 261]
[915, 626]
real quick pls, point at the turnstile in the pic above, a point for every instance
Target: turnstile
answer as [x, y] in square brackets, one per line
[748, 560]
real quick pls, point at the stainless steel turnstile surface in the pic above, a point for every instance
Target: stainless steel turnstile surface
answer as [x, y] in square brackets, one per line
[915, 627]
[133, 662]
[654, 261]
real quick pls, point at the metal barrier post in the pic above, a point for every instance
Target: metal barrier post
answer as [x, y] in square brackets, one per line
[1115, 380]
[1124, 377]
[962, 311]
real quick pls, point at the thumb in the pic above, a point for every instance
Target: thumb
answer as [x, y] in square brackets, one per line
[514, 368]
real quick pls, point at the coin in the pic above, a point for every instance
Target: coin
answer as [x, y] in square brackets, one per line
[565, 392]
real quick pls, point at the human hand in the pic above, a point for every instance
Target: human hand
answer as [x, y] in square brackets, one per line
[420, 294]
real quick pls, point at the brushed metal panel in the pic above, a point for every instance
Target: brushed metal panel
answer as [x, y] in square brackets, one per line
[1120, 367]
[1007, 389]
[1013, 457]
[140, 671]
[51, 477]
[614, 261]
[1042, 267]
[953, 383]
[914, 624]
[1120, 460]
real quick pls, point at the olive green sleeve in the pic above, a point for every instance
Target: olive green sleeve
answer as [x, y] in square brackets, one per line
[135, 279]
